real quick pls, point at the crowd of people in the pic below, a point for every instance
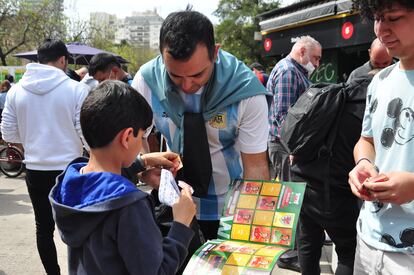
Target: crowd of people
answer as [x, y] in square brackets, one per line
[223, 119]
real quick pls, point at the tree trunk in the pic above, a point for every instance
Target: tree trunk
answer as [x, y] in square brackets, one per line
[3, 60]
[3, 57]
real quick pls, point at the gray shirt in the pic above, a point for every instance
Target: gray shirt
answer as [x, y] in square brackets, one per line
[360, 71]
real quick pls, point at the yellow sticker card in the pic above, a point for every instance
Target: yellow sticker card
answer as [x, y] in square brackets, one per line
[270, 251]
[238, 259]
[263, 218]
[240, 232]
[247, 201]
[231, 270]
[271, 189]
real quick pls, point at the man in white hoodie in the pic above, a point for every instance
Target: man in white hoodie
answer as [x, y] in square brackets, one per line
[42, 112]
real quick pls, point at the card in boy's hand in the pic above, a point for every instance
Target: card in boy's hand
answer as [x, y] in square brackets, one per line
[180, 163]
[168, 192]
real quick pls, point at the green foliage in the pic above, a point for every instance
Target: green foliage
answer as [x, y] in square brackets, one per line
[238, 22]
[102, 36]
[24, 25]
[135, 55]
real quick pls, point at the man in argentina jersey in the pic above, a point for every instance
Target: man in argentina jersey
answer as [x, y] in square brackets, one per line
[193, 75]
[385, 224]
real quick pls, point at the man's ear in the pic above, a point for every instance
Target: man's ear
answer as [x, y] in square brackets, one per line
[61, 62]
[302, 51]
[125, 137]
[115, 70]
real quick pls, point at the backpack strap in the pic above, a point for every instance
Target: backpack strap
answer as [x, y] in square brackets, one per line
[326, 151]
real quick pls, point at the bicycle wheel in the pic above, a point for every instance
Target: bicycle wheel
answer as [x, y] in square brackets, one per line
[11, 162]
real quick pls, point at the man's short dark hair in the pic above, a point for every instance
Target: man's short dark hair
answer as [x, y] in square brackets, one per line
[257, 66]
[51, 50]
[102, 62]
[369, 8]
[111, 107]
[182, 31]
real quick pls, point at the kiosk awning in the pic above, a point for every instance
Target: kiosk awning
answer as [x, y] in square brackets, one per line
[332, 23]
[302, 12]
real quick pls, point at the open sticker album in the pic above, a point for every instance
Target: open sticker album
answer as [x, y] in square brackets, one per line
[257, 225]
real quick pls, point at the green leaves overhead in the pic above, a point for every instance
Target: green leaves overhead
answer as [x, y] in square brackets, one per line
[238, 22]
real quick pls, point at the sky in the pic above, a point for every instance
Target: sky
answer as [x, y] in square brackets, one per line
[124, 8]
[80, 9]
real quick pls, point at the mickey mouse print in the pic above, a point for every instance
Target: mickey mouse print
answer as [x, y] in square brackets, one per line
[403, 119]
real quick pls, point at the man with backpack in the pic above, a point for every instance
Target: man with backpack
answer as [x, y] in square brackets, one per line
[287, 81]
[320, 131]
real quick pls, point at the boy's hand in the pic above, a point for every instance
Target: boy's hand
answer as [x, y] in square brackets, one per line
[160, 159]
[184, 209]
[398, 188]
[357, 177]
[151, 177]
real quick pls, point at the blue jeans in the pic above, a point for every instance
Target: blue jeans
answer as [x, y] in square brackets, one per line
[39, 184]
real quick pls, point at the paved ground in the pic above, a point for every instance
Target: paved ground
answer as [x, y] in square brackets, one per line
[18, 254]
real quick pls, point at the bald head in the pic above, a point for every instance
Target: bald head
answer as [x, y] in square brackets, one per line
[82, 72]
[378, 55]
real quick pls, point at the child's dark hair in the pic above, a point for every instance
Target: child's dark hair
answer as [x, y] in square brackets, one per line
[111, 107]
[369, 8]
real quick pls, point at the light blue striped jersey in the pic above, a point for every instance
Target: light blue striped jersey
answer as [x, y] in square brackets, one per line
[239, 127]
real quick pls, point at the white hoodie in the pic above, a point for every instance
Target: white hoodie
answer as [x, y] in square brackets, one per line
[42, 112]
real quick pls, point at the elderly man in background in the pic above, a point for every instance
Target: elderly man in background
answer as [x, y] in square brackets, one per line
[287, 81]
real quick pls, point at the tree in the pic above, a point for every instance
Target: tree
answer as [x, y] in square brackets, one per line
[23, 23]
[77, 30]
[135, 55]
[238, 22]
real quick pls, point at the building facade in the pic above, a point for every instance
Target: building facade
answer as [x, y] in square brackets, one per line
[141, 29]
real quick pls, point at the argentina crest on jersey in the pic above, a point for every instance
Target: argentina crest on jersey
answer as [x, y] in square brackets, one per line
[219, 121]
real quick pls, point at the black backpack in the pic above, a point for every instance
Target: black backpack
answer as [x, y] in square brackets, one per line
[311, 119]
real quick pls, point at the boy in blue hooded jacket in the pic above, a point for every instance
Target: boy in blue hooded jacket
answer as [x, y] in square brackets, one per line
[107, 223]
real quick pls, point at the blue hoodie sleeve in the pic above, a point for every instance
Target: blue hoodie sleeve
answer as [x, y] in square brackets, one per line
[141, 245]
